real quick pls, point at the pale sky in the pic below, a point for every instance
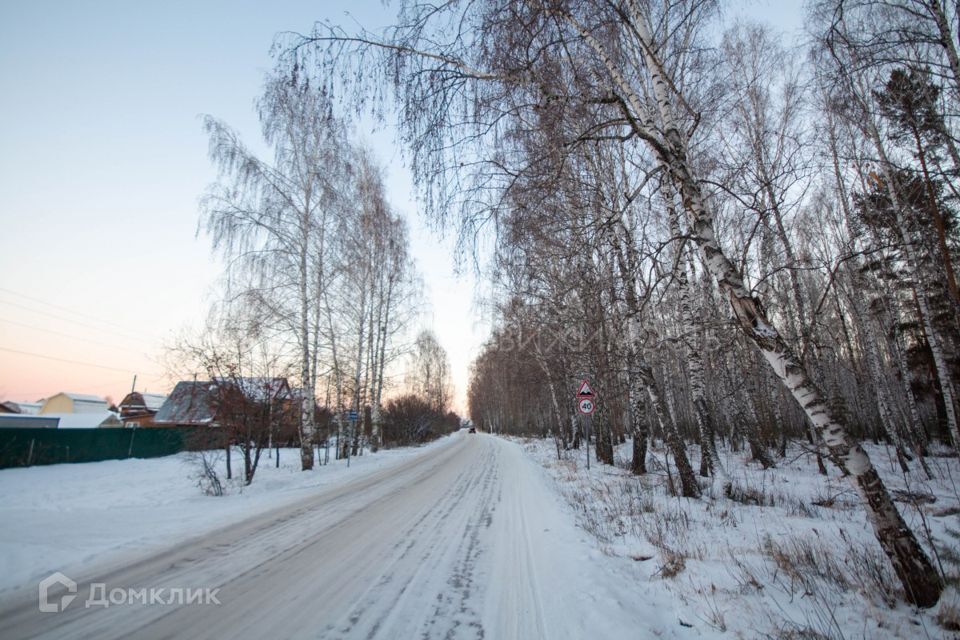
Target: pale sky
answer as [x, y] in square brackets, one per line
[102, 161]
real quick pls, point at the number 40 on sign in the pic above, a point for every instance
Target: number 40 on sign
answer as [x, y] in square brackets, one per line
[586, 406]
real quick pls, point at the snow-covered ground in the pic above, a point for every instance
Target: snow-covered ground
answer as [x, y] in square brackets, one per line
[793, 558]
[469, 541]
[473, 536]
[66, 516]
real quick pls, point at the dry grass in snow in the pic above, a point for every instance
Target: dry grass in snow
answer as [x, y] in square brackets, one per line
[789, 556]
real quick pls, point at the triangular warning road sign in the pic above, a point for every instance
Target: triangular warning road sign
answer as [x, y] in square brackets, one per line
[585, 390]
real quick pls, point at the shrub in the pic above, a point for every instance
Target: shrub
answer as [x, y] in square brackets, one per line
[411, 419]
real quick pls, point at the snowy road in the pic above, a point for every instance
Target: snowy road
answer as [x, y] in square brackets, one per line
[465, 541]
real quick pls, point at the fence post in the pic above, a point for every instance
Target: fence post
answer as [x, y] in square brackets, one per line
[30, 453]
[133, 432]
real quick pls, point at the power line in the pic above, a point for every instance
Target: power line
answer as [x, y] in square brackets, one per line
[86, 364]
[72, 321]
[68, 335]
[61, 308]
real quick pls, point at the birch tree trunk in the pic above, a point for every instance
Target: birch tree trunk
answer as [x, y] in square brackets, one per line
[947, 42]
[934, 340]
[890, 424]
[637, 394]
[913, 411]
[710, 463]
[352, 446]
[308, 402]
[377, 416]
[913, 432]
[688, 482]
[636, 389]
[554, 401]
[796, 309]
[337, 372]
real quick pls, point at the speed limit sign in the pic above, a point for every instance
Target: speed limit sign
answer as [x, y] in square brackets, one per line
[586, 406]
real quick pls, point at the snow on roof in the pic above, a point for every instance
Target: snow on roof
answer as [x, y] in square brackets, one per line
[82, 403]
[88, 406]
[260, 389]
[29, 408]
[149, 401]
[196, 402]
[89, 420]
[82, 397]
[189, 403]
[154, 401]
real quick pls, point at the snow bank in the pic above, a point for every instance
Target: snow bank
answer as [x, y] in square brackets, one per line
[792, 556]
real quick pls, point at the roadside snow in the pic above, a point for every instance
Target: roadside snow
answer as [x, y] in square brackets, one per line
[550, 579]
[792, 557]
[63, 517]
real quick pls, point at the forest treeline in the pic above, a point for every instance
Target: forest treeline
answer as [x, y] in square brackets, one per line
[736, 241]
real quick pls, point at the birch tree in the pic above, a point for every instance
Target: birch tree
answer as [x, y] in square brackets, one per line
[638, 71]
[892, 194]
[268, 218]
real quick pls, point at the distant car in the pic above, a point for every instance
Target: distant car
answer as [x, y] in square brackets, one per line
[472, 430]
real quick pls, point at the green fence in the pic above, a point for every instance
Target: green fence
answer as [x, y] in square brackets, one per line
[25, 447]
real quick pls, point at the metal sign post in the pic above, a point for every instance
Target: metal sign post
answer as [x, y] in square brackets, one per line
[586, 405]
[586, 432]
